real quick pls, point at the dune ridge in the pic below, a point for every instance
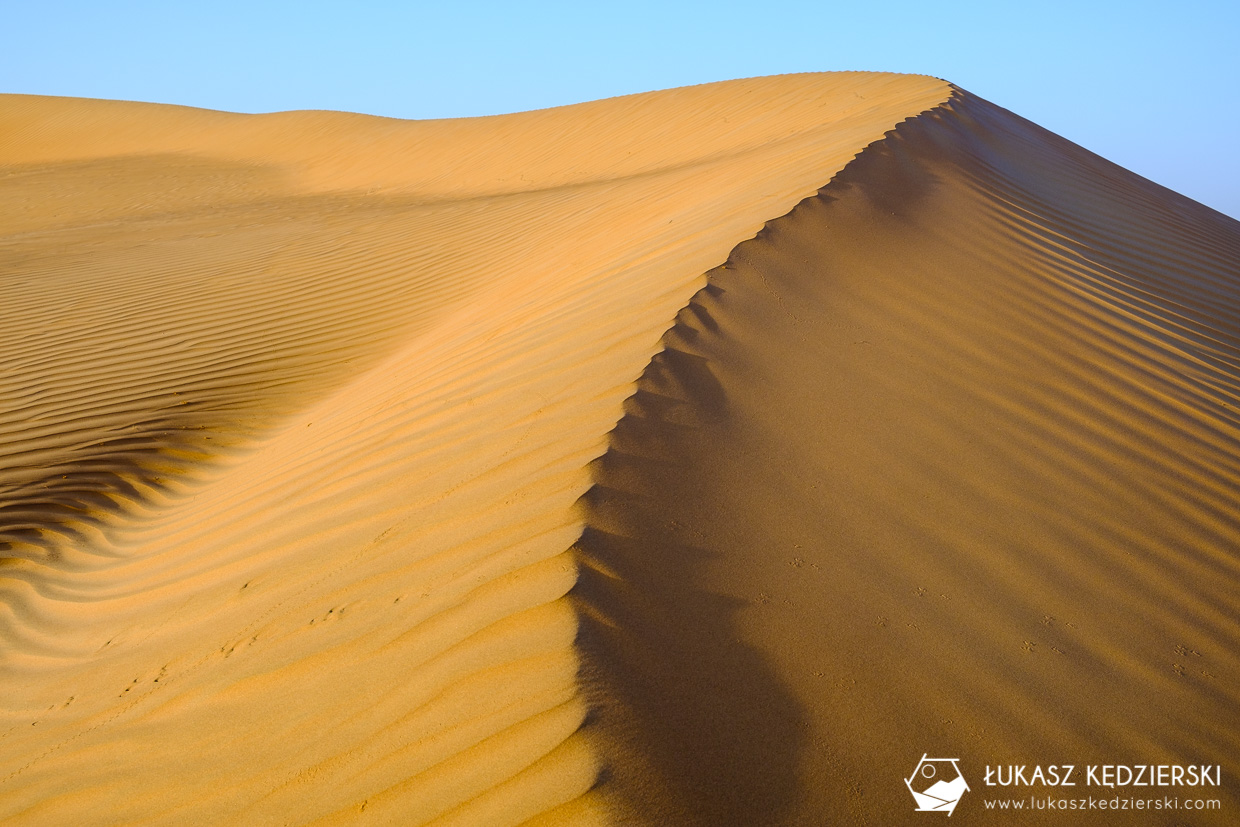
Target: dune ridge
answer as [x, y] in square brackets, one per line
[947, 461]
[336, 492]
[298, 416]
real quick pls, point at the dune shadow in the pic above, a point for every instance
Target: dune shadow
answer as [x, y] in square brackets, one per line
[697, 727]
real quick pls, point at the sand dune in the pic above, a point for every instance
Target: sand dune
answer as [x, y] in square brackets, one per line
[293, 464]
[945, 460]
[366, 471]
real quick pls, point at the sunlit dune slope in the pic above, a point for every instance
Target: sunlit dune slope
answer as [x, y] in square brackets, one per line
[945, 461]
[296, 411]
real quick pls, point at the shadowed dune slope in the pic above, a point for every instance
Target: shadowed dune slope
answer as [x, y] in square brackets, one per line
[296, 414]
[945, 461]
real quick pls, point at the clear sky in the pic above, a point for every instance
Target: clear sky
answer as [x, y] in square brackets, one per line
[1152, 86]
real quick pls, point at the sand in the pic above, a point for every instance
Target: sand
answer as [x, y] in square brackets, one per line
[698, 457]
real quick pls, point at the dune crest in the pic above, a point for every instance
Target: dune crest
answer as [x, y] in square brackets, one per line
[366, 471]
[298, 410]
[945, 461]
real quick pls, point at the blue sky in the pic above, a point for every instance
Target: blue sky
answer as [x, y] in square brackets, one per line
[1151, 86]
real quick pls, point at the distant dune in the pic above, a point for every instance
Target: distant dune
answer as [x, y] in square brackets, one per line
[700, 457]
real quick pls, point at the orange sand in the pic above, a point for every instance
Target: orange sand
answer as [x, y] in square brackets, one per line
[345, 476]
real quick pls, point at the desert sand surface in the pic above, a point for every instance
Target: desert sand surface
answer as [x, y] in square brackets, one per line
[699, 457]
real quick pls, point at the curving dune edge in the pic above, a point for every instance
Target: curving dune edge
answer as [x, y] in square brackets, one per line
[367, 471]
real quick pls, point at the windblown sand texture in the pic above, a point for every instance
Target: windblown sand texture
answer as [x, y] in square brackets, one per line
[366, 471]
